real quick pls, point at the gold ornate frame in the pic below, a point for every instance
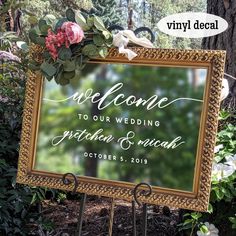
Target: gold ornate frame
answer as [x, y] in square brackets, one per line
[196, 200]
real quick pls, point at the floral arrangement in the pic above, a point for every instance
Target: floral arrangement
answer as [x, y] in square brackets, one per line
[70, 33]
[71, 41]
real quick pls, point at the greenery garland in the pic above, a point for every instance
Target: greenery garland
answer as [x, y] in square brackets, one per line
[69, 43]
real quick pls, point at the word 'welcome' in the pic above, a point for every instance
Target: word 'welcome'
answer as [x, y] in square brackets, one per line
[106, 100]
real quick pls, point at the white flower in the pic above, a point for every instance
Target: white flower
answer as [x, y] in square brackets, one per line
[212, 230]
[231, 161]
[220, 171]
[218, 147]
[225, 90]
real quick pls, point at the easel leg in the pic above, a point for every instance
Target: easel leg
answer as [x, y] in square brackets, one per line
[81, 214]
[144, 229]
[111, 216]
[134, 218]
[144, 215]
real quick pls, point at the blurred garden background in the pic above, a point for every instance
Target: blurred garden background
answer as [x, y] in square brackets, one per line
[28, 210]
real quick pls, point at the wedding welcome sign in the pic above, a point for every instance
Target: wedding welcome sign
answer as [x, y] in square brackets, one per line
[119, 123]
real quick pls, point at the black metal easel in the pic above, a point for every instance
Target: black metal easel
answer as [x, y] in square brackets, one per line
[66, 179]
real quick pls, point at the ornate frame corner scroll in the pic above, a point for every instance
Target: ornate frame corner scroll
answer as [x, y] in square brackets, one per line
[196, 200]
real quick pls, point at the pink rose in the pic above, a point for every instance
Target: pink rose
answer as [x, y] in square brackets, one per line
[73, 32]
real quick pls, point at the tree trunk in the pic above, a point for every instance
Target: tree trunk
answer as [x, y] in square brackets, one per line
[226, 41]
[12, 20]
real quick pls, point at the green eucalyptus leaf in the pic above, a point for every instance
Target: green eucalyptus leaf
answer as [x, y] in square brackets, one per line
[107, 34]
[80, 20]
[37, 30]
[90, 50]
[50, 19]
[44, 29]
[69, 66]
[69, 75]
[42, 23]
[81, 61]
[48, 69]
[65, 53]
[61, 62]
[33, 35]
[98, 23]
[49, 78]
[70, 14]
[40, 41]
[98, 40]
[90, 21]
[46, 55]
[103, 51]
[33, 20]
[109, 41]
[60, 23]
